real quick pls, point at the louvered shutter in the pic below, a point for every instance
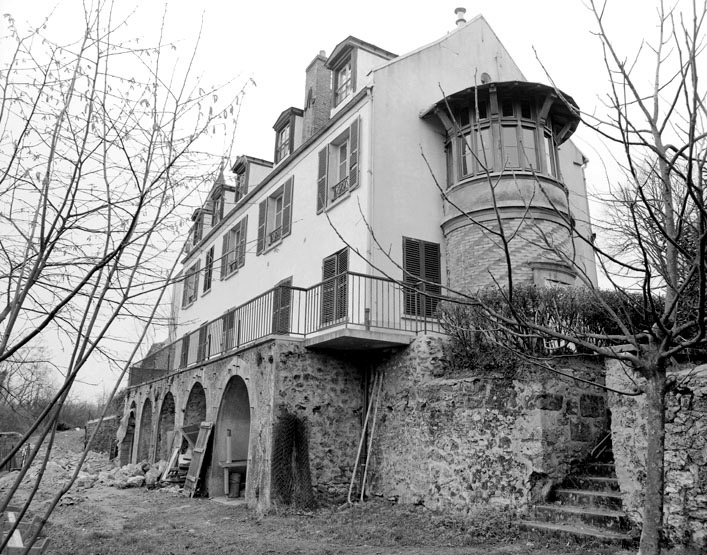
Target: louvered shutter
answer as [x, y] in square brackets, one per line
[342, 267]
[185, 290]
[432, 274]
[353, 155]
[243, 241]
[321, 180]
[262, 209]
[196, 279]
[224, 255]
[287, 208]
[412, 264]
[328, 288]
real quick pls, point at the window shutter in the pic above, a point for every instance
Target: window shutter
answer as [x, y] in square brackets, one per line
[342, 261]
[196, 278]
[224, 255]
[328, 289]
[353, 155]
[185, 290]
[262, 208]
[329, 267]
[432, 270]
[287, 208]
[243, 242]
[412, 266]
[321, 180]
[433, 275]
[412, 262]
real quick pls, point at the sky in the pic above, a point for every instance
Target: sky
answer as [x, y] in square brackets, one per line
[272, 42]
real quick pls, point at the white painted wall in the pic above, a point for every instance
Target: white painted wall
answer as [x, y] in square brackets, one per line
[406, 201]
[572, 169]
[301, 253]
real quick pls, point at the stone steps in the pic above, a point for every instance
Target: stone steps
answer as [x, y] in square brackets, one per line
[578, 531]
[589, 498]
[587, 505]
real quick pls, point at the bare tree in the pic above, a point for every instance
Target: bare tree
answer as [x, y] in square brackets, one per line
[100, 146]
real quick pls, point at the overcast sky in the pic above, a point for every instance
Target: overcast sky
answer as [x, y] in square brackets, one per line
[272, 42]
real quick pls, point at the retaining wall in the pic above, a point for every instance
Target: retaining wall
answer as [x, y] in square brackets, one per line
[685, 503]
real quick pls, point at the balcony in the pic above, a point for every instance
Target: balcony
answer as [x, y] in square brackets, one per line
[347, 312]
[340, 188]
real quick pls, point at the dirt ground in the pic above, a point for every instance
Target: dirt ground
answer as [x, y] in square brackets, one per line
[102, 520]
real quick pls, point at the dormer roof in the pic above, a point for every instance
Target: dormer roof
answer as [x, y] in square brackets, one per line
[349, 43]
[286, 115]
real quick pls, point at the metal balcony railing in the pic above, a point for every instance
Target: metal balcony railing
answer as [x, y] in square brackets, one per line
[340, 188]
[350, 300]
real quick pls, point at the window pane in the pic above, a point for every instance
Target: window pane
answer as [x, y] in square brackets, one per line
[482, 110]
[507, 108]
[549, 156]
[525, 111]
[343, 161]
[510, 146]
[484, 150]
[529, 151]
[467, 156]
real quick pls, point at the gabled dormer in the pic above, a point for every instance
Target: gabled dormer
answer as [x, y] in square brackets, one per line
[350, 62]
[288, 129]
[218, 198]
[248, 172]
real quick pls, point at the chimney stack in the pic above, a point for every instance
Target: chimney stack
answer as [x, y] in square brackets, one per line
[318, 96]
[459, 12]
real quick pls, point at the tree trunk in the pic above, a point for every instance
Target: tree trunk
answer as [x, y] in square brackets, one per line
[655, 431]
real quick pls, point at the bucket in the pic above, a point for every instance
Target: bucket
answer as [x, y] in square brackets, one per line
[234, 484]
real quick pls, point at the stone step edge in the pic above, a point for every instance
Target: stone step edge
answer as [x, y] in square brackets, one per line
[577, 509]
[590, 492]
[573, 529]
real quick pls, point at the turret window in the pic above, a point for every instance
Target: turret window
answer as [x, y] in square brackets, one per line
[511, 139]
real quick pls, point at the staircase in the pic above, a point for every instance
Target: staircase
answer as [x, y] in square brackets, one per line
[587, 505]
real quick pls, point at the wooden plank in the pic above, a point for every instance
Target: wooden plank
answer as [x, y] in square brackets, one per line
[191, 434]
[197, 458]
[173, 461]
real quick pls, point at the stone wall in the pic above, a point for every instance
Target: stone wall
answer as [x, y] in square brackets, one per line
[685, 504]
[105, 440]
[450, 442]
[326, 391]
[257, 367]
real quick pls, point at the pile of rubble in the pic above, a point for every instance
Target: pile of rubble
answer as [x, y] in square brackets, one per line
[96, 469]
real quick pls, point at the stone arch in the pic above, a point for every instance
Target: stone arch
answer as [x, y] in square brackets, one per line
[127, 445]
[145, 433]
[195, 409]
[165, 427]
[233, 416]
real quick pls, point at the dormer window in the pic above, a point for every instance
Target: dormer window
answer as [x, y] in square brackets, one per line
[282, 147]
[343, 82]
[287, 127]
[198, 230]
[218, 204]
[241, 186]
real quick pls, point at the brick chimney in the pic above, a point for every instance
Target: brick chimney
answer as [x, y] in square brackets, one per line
[318, 96]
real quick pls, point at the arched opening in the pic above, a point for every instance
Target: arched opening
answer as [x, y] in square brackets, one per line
[165, 428]
[126, 446]
[145, 435]
[233, 416]
[195, 409]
